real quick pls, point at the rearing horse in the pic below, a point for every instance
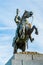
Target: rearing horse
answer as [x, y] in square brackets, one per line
[28, 31]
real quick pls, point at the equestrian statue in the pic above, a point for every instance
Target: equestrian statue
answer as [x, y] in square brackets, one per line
[23, 31]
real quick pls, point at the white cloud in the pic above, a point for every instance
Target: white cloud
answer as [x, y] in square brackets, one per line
[5, 38]
[7, 28]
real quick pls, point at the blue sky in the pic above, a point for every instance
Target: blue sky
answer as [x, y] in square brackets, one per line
[8, 26]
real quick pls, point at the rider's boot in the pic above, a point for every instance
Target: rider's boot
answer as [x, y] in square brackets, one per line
[23, 36]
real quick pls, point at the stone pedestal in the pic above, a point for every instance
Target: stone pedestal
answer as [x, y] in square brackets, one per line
[30, 58]
[27, 59]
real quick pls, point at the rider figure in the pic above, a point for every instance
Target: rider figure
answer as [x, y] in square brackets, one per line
[17, 21]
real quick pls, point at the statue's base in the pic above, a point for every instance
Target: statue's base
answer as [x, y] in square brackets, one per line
[27, 58]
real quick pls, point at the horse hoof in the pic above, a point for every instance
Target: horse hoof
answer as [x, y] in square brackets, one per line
[32, 39]
[36, 33]
[14, 52]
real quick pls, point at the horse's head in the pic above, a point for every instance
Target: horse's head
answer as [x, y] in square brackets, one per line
[27, 14]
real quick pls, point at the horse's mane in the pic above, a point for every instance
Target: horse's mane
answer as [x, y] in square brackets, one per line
[24, 14]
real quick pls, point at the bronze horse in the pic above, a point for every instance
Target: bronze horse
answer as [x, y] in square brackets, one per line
[28, 31]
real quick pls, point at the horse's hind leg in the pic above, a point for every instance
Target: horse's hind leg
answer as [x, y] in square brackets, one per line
[23, 47]
[15, 49]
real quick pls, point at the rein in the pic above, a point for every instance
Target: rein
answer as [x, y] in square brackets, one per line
[32, 20]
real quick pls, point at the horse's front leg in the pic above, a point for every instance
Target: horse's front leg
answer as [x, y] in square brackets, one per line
[36, 31]
[31, 39]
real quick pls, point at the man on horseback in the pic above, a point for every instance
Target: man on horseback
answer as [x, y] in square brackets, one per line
[21, 25]
[24, 31]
